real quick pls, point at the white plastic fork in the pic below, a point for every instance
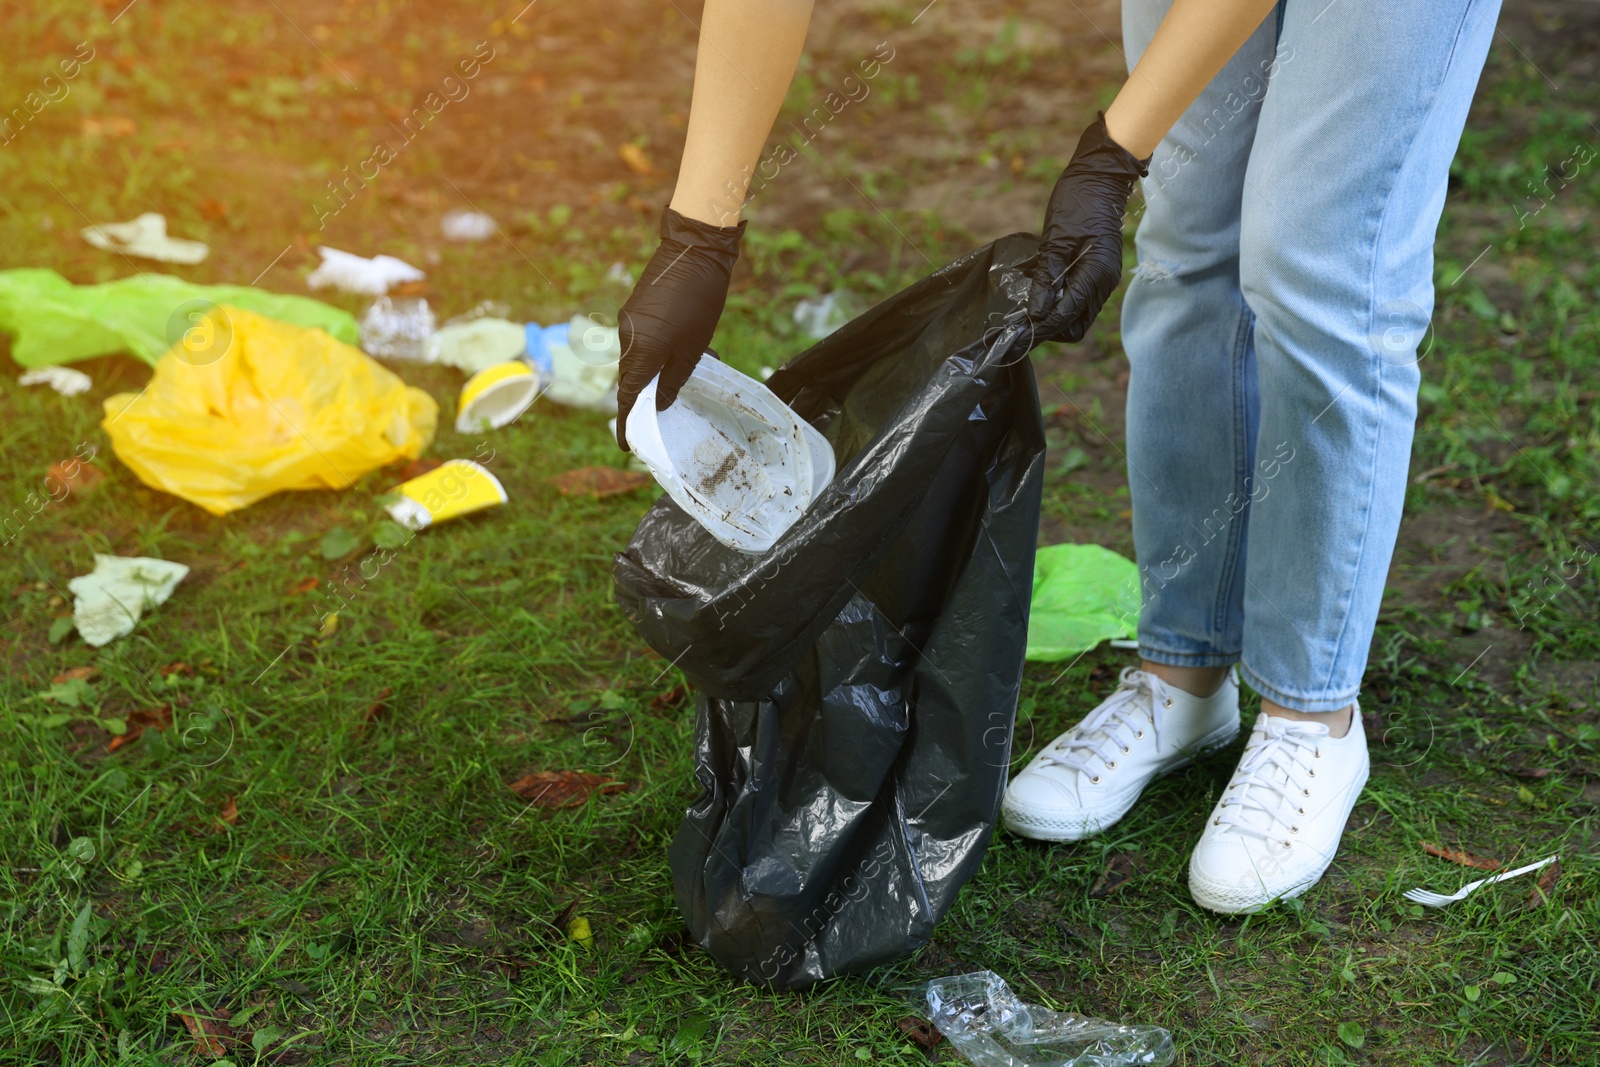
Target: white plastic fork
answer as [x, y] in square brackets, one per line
[1428, 898]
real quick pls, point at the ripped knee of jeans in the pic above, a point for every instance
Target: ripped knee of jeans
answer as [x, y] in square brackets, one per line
[1155, 270]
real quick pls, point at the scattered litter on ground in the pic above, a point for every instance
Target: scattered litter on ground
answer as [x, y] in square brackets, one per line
[64, 380]
[599, 482]
[1082, 595]
[734, 457]
[452, 489]
[496, 396]
[53, 321]
[818, 316]
[988, 1025]
[563, 789]
[1465, 859]
[358, 274]
[477, 344]
[578, 359]
[1428, 898]
[398, 328]
[282, 408]
[145, 237]
[108, 601]
[464, 225]
[76, 477]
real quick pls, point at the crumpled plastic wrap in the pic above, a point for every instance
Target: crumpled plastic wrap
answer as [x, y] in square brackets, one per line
[247, 406]
[988, 1025]
[1082, 595]
[858, 681]
[57, 322]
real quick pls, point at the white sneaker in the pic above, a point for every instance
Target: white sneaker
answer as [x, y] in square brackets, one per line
[1088, 778]
[1278, 823]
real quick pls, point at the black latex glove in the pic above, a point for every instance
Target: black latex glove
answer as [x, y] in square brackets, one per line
[669, 318]
[1080, 254]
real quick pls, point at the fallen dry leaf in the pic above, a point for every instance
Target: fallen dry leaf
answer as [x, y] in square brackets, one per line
[304, 585]
[230, 811]
[1465, 859]
[80, 478]
[672, 699]
[210, 1030]
[920, 1032]
[75, 674]
[1543, 889]
[178, 667]
[159, 717]
[599, 482]
[375, 710]
[635, 159]
[213, 209]
[1119, 870]
[563, 789]
[416, 468]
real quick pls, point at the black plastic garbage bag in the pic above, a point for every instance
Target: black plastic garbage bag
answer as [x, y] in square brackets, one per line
[858, 681]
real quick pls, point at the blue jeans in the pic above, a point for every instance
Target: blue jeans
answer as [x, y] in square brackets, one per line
[1272, 326]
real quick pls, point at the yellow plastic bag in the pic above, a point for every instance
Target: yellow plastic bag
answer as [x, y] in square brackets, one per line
[244, 406]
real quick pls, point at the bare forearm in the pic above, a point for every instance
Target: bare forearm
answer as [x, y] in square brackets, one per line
[1193, 43]
[746, 59]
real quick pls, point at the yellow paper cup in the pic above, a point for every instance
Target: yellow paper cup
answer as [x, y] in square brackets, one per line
[458, 487]
[496, 395]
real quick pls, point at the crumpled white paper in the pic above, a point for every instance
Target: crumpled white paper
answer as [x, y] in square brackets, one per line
[463, 225]
[108, 601]
[64, 380]
[357, 274]
[145, 237]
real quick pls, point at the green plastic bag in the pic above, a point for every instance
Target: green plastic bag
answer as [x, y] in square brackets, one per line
[1082, 595]
[53, 321]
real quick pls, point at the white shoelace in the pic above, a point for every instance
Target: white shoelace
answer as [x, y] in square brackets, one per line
[1267, 795]
[1118, 721]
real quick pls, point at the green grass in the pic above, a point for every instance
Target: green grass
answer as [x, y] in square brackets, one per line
[383, 897]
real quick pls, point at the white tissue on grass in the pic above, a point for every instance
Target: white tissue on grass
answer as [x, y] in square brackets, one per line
[64, 380]
[463, 225]
[145, 237]
[357, 274]
[108, 601]
[476, 344]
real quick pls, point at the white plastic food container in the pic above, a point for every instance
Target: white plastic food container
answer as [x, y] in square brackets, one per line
[732, 455]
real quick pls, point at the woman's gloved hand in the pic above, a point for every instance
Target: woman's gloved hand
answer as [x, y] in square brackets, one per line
[1080, 254]
[669, 318]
